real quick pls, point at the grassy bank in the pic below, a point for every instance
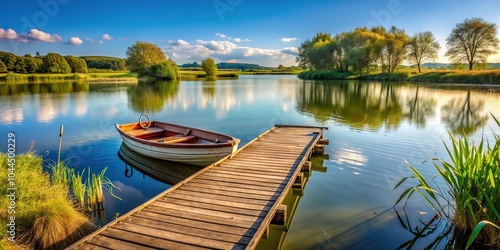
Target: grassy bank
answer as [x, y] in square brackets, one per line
[199, 74]
[12, 78]
[44, 217]
[449, 76]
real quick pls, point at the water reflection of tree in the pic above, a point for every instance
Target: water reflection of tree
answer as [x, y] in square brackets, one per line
[464, 116]
[43, 88]
[419, 108]
[208, 89]
[357, 104]
[150, 96]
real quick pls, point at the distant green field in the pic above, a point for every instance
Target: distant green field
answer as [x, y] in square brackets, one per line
[41, 78]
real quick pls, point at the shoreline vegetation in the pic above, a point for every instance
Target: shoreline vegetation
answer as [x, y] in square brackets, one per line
[189, 74]
[434, 76]
[44, 215]
[469, 196]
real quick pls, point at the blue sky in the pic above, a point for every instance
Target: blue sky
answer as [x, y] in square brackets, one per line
[262, 32]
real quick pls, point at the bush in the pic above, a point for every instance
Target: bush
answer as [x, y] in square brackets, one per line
[167, 70]
[209, 66]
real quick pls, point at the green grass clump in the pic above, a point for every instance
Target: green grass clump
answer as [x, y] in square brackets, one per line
[472, 191]
[44, 215]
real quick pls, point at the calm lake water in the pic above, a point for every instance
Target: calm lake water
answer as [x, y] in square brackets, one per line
[348, 199]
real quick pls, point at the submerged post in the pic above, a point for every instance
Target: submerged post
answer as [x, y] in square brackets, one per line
[61, 132]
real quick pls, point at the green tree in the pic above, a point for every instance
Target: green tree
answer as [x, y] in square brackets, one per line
[32, 65]
[142, 55]
[55, 63]
[422, 47]
[9, 60]
[208, 65]
[167, 70]
[3, 68]
[394, 50]
[76, 64]
[302, 59]
[20, 66]
[472, 41]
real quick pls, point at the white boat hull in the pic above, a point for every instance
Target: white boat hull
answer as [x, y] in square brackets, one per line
[195, 156]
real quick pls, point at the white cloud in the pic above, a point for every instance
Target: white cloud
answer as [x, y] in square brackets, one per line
[288, 39]
[33, 35]
[8, 34]
[101, 42]
[238, 40]
[223, 47]
[221, 35]
[38, 35]
[290, 51]
[179, 42]
[74, 41]
[106, 37]
[227, 51]
[123, 39]
[89, 40]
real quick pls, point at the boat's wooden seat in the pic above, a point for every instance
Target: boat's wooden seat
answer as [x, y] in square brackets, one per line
[145, 132]
[175, 139]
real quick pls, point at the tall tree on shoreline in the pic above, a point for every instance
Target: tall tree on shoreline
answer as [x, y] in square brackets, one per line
[142, 55]
[473, 40]
[422, 47]
[393, 50]
[208, 65]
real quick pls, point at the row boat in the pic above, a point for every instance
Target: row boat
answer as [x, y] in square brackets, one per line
[172, 142]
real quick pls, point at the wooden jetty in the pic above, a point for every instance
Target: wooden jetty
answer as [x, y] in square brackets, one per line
[227, 205]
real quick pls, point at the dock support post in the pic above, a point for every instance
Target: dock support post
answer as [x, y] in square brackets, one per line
[266, 233]
[319, 149]
[299, 181]
[279, 217]
[324, 141]
[306, 167]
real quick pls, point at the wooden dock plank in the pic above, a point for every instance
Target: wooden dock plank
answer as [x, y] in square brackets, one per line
[216, 176]
[190, 194]
[147, 240]
[242, 182]
[230, 193]
[227, 229]
[251, 188]
[176, 237]
[187, 230]
[216, 207]
[110, 243]
[203, 217]
[227, 205]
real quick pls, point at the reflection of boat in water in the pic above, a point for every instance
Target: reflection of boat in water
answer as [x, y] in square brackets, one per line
[165, 171]
[173, 142]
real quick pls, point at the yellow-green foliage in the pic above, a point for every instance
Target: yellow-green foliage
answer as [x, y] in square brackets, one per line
[44, 216]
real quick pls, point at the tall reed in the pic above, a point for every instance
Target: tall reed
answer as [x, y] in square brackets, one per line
[79, 188]
[473, 187]
[61, 174]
